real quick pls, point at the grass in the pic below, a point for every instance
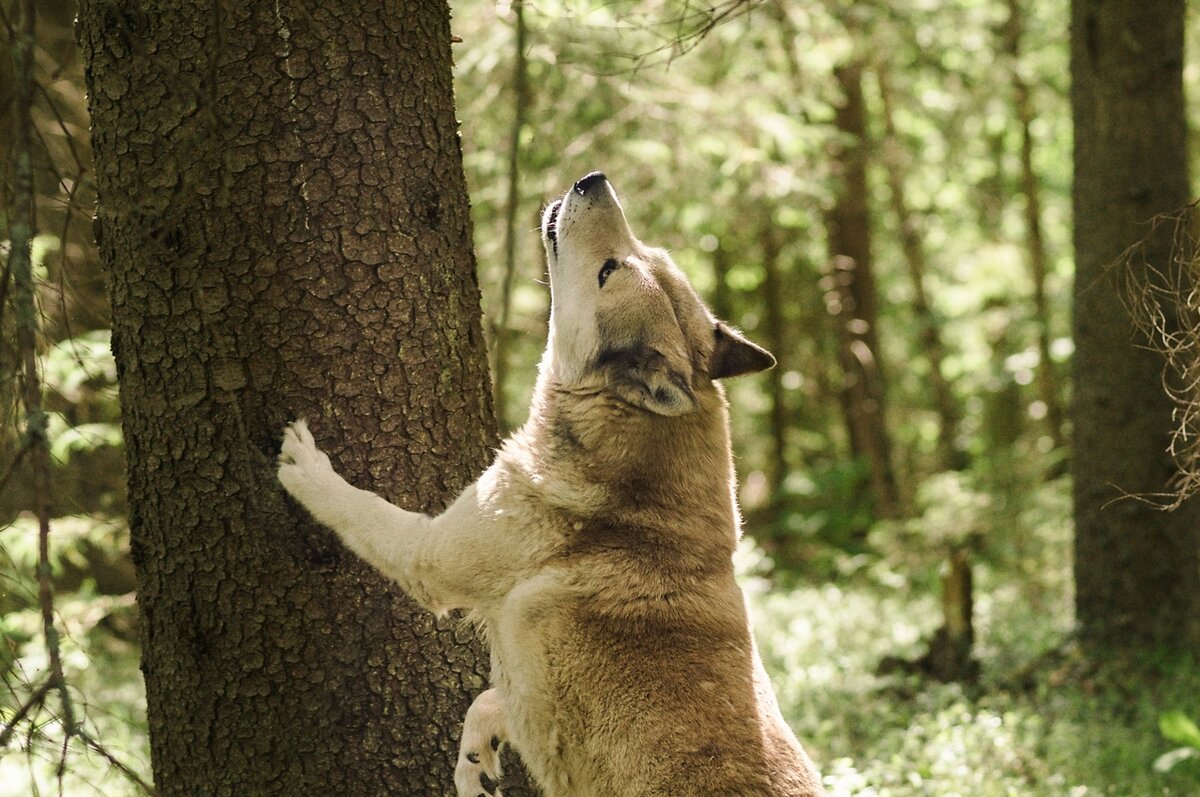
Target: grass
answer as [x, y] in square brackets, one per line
[1042, 719]
[1060, 729]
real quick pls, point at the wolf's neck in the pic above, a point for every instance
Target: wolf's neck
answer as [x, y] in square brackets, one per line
[682, 463]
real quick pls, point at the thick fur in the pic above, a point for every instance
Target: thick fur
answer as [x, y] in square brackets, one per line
[596, 551]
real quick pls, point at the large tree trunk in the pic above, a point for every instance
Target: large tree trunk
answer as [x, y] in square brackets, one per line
[284, 218]
[853, 302]
[1137, 570]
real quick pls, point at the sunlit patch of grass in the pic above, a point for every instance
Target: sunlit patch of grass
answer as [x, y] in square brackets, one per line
[1041, 721]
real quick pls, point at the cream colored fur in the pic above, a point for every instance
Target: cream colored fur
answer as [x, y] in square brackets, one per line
[596, 550]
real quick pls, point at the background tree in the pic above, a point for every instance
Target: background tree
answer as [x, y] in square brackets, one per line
[915, 259]
[1031, 189]
[283, 217]
[853, 299]
[735, 137]
[502, 329]
[1137, 569]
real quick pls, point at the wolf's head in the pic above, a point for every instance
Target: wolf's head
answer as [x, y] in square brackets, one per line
[623, 316]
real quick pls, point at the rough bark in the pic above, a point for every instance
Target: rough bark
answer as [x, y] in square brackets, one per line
[853, 302]
[1137, 570]
[284, 220]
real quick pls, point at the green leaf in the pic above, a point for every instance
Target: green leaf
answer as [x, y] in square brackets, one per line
[1179, 728]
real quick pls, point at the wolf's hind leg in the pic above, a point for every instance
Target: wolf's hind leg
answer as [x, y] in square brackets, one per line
[484, 730]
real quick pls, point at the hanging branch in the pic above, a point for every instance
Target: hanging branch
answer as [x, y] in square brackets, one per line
[1163, 300]
[21, 229]
[35, 445]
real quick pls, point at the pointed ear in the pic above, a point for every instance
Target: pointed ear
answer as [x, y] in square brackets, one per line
[733, 355]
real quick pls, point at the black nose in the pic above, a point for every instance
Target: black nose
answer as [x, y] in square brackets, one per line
[594, 178]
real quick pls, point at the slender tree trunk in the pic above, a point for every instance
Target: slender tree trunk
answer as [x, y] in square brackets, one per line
[853, 301]
[774, 327]
[1047, 379]
[501, 333]
[721, 299]
[22, 227]
[284, 220]
[930, 334]
[1137, 570]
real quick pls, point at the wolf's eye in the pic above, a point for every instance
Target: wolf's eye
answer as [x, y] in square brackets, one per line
[609, 267]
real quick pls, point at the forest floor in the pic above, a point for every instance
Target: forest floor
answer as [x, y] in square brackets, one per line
[1040, 719]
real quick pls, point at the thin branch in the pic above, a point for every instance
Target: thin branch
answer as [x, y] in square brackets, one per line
[121, 766]
[676, 35]
[1163, 300]
[12, 468]
[35, 701]
[22, 229]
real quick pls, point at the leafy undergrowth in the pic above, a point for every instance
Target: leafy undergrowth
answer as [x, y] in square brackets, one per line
[1041, 720]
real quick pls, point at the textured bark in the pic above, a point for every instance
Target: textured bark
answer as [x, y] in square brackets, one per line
[1137, 570]
[284, 218]
[853, 302]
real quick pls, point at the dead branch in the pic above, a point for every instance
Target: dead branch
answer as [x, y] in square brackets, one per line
[1163, 301]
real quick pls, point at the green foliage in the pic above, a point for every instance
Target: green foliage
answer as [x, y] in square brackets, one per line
[1179, 728]
[734, 136]
[714, 141]
[1042, 721]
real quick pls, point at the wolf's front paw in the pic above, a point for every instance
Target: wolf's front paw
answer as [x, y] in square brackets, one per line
[304, 469]
[484, 729]
[478, 771]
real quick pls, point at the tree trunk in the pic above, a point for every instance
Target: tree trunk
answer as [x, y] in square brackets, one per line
[1047, 379]
[774, 329]
[721, 300]
[930, 334]
[502, 333]
[853, 303]
[1137, 570]
[284, 219]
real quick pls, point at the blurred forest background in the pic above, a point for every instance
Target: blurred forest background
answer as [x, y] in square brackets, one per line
[908, 513]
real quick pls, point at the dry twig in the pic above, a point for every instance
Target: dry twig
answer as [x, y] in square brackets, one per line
[1163, 300]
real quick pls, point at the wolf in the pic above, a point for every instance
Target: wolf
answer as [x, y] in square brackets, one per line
[596, 552]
